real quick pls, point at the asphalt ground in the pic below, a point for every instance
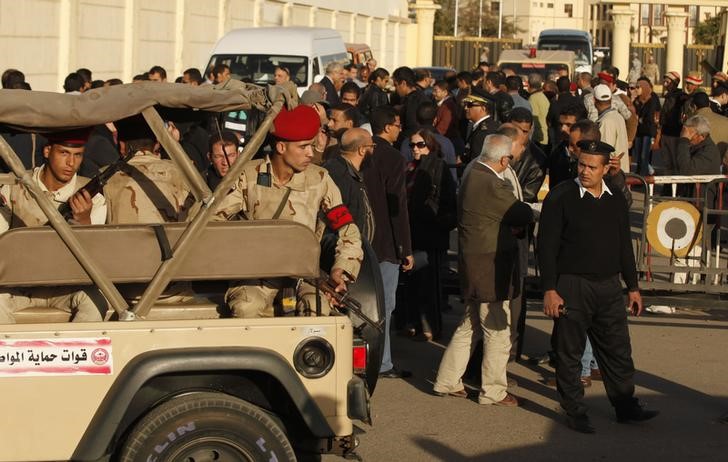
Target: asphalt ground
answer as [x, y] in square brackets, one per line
[681, 370]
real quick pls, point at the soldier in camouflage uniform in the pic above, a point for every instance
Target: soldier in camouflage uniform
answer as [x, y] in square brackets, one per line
[59, 181]
[147, 189]
[286, 185]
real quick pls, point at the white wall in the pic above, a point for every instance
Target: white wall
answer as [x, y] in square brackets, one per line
[47, 39]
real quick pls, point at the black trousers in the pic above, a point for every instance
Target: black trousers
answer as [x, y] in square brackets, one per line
[597, 309]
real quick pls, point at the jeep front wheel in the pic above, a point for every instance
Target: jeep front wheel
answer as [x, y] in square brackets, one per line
[207, 427]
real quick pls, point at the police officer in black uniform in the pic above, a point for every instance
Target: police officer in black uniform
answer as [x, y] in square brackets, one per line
[479, 112]
[585, 245]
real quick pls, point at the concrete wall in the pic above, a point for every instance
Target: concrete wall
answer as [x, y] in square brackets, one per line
[47, 39]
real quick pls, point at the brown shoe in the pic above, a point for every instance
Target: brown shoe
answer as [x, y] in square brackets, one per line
[596, 374]
[586, 381]
[508, 401]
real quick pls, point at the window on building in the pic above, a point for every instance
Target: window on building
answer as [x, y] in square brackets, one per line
[495, 7]
[645, 14]
[658, 15]
[549, 5]
[693, 16]
[569, 10]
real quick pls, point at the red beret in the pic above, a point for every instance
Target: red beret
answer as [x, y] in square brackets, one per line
[71, 138]
[300, 124]
[606, 77]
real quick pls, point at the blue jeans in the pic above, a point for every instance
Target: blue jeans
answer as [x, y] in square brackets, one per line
[642, 153]
[390, 278]
[588, 362]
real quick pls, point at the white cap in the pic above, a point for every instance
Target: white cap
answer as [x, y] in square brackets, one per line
[602, 93]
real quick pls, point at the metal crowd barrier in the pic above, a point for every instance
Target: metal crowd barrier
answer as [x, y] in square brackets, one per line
[704, 265]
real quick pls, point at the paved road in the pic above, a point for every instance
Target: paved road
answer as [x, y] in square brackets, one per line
[682, 371]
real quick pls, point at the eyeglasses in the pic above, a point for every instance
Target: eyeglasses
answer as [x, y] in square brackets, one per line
[373, 145]
[632, 88]
[470, 104]
[396, 125]
[418, 144]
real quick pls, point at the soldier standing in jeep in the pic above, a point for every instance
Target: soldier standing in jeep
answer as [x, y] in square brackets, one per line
[58, 180]
[285, 185]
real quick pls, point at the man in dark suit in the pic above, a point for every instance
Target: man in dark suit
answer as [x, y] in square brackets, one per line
[384, 177]
[478, 111]
[332, 82]
[488, 214]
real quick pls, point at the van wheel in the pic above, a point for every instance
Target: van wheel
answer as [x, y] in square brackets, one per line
[204, 427]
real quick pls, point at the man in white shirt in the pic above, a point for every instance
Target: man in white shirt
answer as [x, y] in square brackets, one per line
[612, 125]
[58, 179]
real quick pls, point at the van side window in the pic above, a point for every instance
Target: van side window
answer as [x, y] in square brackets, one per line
[316, 67]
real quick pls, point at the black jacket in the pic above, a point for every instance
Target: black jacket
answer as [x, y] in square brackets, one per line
[384, 177]
[408, 114]
[671, 113]
[431, 180]
[332, 96]
[531, 171]
[476, 138]
[372, 98]
[23, 144]
[353, 193]
[561, 165]
[503, 106]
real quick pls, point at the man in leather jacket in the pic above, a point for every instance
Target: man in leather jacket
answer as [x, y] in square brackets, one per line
[495, 85]
[531, 167]
[375, 95]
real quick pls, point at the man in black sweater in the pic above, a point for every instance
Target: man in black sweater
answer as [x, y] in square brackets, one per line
[384, 177]
[585, 244]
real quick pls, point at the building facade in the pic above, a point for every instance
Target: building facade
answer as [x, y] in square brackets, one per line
[47, 39]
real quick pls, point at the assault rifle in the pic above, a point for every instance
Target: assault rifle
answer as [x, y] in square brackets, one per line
[342, 299]
[95, 184]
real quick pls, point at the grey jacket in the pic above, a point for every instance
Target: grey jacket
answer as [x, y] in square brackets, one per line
[488, 218]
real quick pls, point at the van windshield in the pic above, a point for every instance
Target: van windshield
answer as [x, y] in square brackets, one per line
[259, 69]
[580, 47]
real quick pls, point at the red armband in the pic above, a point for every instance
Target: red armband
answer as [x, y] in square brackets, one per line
[339, 217]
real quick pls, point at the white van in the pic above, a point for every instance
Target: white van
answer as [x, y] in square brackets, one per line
[253, 53]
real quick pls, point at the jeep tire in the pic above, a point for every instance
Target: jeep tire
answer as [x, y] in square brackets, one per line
[207, 427]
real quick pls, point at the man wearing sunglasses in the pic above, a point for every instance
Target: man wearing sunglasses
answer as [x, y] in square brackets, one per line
[478, 110]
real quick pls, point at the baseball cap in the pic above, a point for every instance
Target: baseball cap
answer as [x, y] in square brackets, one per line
[602, 93]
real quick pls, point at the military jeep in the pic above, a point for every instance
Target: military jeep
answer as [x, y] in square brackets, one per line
[174, 381]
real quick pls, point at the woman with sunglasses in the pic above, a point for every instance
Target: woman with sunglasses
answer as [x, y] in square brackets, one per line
[431, 202]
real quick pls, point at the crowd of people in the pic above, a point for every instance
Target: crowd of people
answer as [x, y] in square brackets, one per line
[400, 160]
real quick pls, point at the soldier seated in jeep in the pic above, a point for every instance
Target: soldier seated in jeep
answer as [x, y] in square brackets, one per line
[58, 179]
[285, 185]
